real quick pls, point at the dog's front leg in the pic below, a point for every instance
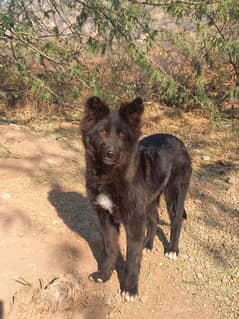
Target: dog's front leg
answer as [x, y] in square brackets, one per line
[135, 232]
[110, 235]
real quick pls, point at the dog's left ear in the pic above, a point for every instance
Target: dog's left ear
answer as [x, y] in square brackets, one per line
[95, 108]
[132, 113]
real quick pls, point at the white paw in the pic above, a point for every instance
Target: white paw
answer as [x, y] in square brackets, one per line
[91, 278]
[146, 250]
[171, 255]
[99, 280]
[127, 297]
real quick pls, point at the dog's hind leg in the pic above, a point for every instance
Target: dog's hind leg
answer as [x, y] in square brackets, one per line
[175, 198]
[110, 235]
[152, 222]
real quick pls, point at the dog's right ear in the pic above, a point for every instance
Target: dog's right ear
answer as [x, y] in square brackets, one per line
[95, 110]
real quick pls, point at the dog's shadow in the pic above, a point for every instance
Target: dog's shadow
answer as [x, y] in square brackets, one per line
[161, 236]
[76, 212]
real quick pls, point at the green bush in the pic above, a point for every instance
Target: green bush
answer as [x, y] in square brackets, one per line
[59, 50]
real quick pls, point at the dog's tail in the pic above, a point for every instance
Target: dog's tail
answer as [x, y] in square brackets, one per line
[184, 214]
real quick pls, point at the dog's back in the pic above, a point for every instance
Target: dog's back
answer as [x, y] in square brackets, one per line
[164, 156]
[169, 146]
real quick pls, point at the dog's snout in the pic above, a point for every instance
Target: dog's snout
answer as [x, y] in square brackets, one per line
[110, 154]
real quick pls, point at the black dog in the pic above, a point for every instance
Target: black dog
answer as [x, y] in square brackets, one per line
[125, 179]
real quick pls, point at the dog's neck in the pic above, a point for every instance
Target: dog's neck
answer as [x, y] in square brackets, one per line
[132, 167]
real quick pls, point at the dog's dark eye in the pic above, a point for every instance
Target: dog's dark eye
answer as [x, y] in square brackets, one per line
[104, 132]
[121, 134]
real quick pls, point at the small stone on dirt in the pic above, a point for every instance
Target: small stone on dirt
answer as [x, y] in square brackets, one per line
[51, 161]
[233, 180]
[4, 152]
[206, 158]
[66, 125]
[6, 196]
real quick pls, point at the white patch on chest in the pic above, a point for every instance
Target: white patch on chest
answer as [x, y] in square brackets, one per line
[105, 202]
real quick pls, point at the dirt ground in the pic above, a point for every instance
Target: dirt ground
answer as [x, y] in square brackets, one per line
[47, 227]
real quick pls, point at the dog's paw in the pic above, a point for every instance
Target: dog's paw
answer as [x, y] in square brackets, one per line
[128, 297]
[171, 255]
[146, 250]
[148, 245]
[97, 277]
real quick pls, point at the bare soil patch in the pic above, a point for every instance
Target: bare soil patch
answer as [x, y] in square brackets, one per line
[48, 229]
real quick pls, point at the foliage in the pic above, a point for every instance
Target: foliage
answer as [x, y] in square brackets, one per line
[54, 50]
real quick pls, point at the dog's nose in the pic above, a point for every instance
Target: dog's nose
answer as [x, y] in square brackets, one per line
[110, 154]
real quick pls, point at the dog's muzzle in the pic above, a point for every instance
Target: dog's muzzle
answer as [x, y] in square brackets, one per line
[110, 157]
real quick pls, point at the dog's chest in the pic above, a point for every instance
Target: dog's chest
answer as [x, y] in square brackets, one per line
[105, 201]
[109, 197]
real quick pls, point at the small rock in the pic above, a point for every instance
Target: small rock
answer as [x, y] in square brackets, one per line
[233, 180]
[227, 180]
[66, 125]
[31, 265]
[4, 152]
[236, 162]
[143, 299]
[197, 201]
[206, 157]
[6, 196]
[50, 161]
[16, 126]
[199, 275]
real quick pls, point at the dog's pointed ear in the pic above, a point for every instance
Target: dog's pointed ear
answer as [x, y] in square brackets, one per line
[95, 110]
[132, 112]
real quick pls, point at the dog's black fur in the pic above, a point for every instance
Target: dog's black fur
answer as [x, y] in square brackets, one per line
[125, 179]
